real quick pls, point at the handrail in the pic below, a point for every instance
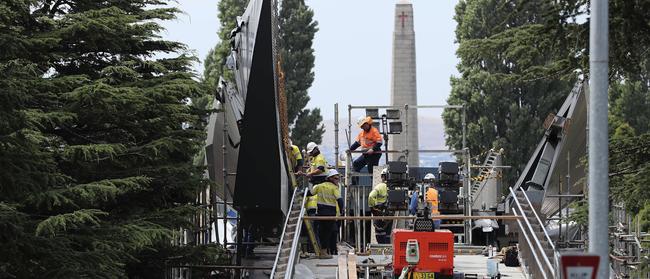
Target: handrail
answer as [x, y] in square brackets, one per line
[548, 238]
[286, 221]
[538, 249]
[530, 245]
[480, 189]
[482, 184]
[530, 227]
[296, 240]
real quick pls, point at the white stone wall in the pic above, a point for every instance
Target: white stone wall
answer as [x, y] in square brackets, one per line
[403, 82]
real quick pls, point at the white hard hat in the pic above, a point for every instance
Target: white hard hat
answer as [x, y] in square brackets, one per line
[429, 176]
[364, 119]
[343, 157]
[311, 146]
[332, 172]
[384, 171]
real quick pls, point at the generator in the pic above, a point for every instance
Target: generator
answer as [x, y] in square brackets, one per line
[435, 255]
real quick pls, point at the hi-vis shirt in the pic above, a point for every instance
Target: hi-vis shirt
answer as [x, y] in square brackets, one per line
[312, 202]
[378, 195]
[368, 139]
[431, 197]
[295, 153]
[328, 194]
[318, 161]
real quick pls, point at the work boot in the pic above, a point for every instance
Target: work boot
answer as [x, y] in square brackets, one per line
[324, 254]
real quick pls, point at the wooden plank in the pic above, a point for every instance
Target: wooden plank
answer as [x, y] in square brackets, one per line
[352, 266]
[343, 267]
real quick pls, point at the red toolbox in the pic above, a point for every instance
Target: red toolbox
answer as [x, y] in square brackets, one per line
[436, 251]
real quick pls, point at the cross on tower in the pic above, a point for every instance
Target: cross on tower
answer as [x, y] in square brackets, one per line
[402, 17]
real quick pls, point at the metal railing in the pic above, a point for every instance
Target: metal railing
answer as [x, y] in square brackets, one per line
[556, 254]
[296, 237]
[537, 251]
[627, 254]
[295, 243]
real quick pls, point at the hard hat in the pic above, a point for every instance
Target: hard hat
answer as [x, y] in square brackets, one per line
[363, 120]
[384, 171]
[332, 172]
[429, 176]
[343, 157]
[311, 146]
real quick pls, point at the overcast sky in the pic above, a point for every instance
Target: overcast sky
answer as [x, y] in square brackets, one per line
[353, 48]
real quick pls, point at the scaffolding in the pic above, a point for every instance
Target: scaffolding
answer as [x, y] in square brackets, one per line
[355, 194]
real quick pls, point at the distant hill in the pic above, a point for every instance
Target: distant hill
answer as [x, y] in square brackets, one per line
[431, 136]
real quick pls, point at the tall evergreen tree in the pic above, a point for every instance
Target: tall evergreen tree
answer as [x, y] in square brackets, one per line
[215, 62]
[96, 140]
[297, 30]
[545, 43]
[513, 74]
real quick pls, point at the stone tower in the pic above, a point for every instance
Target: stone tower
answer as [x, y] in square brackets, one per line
[403, 81]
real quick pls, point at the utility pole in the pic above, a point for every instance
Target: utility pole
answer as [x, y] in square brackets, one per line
[598, 135]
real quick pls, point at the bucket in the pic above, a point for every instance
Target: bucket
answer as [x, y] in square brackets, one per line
[492, 267]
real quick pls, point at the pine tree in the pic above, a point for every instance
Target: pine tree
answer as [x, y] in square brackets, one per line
[96, 141]
[303, 131]
[297, 30]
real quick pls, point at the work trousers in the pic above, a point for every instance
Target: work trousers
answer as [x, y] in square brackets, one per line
[314, 227]
[383, 228]
[327, 231]
[369, 160]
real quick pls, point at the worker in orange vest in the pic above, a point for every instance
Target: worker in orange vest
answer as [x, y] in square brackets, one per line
[431, 198]
[369, 139]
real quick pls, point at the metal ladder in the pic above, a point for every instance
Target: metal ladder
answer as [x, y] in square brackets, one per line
[289, 247]
[484, 174]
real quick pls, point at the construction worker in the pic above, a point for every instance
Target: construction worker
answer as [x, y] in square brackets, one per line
[377, 200]
[415, 200]
[312, 204]
[311, 207]
[329, 197]
[317, 164]
[369, 139]
[431, 197]
[296, 157]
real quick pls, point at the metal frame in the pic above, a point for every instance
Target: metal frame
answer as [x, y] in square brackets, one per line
[464, 152]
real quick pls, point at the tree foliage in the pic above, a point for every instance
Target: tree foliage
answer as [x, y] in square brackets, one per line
[296, 35]
[215, 62]
[297, 30]
[518, 59]
[96, 139]
[515, 70]
[304, 131]
[629, 98]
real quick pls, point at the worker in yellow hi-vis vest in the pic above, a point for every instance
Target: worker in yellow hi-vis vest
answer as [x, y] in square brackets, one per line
[296, 157]
[318, 166]
[377, 202]
[329, 203]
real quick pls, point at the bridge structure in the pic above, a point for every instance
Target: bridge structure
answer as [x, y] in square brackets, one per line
[258, 207]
